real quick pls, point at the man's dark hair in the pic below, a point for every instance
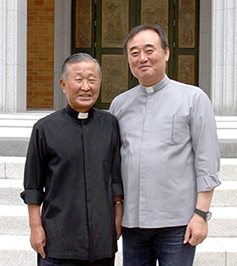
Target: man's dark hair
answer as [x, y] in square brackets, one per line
[157, 28]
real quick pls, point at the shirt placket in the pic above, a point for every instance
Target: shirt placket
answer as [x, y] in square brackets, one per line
[144, 160]
[86, 156]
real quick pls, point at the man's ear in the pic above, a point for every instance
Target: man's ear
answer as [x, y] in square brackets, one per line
[167, 54]
[63, 85]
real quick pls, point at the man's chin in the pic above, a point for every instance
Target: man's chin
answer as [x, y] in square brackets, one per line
[86, 105]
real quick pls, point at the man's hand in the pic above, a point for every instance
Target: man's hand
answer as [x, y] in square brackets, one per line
[37, 235]
[197, 228]
[196, 231]
[38, 240]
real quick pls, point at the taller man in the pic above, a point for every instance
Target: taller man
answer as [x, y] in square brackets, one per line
[170, 157]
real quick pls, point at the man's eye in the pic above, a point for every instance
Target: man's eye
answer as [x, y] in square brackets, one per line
[149, 51]
[92, 81]
[134, 53]
[78, 80]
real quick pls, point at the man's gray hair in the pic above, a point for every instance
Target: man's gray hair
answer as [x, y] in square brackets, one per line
[78, 58]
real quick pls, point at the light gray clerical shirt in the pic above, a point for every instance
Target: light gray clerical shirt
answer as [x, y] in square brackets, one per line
[170, 152]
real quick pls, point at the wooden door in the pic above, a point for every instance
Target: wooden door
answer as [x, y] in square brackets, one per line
[99, 28]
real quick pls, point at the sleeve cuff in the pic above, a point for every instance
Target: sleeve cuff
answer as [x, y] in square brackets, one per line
[32, 196]
[117, 189]
[208, 182]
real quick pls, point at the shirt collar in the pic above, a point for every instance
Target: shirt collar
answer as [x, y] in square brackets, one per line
[75, 113]
[157, 87]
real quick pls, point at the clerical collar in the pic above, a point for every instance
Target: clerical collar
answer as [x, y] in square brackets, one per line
[78, 115]
[149, 89]
[156, 87]
[82, 115]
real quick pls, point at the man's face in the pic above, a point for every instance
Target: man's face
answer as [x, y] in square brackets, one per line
[82, 85]
[146, 57]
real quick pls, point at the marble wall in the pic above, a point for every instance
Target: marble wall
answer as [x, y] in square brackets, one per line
[62, 46]
[13, 39]
[224, 57]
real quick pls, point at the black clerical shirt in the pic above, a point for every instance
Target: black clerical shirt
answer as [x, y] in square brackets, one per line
[73, 169]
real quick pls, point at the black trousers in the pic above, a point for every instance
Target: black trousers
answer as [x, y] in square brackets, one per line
[66, 262]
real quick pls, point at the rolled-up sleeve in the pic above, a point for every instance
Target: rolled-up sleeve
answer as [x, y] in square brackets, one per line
[34, 177]
[205, 144]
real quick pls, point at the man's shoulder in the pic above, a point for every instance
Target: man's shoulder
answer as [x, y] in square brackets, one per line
[105, 118]
[188, 87]
[104, 114]
[128, 93]
[52, 117]
[125, 98]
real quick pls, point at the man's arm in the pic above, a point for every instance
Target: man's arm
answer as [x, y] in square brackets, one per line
[197, 228]
[37, 235]
[118, 212]
[207, 165]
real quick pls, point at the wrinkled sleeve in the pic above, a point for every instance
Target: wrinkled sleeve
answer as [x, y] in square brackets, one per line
[116, 165]
[34, 174]
[205, 144]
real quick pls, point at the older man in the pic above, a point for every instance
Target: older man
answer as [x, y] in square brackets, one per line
[73, 170]
[170, 157]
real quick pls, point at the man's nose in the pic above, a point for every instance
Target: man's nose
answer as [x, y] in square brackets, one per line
[143, 57]
[85, 85]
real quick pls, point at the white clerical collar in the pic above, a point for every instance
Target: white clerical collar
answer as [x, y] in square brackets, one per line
[82, 115]
[149, 89]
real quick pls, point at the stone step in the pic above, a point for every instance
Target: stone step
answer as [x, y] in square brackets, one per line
[12, 167]
[228, 169]
[13, 146]
[15, 130]
[17, 146]
[14, 221]
[16, 251]
[10, 190]
[217, 252]
[225, 195]
[228, 148]
[227, 134]
[223, 222]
